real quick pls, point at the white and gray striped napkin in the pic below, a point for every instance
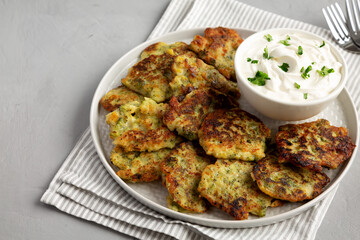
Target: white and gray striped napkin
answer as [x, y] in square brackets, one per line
[82, 187]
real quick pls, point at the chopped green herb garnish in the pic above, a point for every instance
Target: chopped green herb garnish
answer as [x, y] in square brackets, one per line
[306, 74]
[296, 85]
[300, 50]
[268, 37]
[284, 67]
[312, 63]
[302, 69]
[325, 71]
[323, 44]
[252, 61]
[305, 95]
[266, 53]
[259, 78]
[285, 42]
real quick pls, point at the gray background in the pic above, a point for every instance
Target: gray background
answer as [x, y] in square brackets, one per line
[52, 56]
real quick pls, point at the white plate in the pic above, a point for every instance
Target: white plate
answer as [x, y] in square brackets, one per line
[340, 113]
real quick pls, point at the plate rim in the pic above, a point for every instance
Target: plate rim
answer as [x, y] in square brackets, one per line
[94, 110]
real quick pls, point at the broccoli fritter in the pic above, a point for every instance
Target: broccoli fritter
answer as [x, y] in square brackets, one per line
[287, 182]
[191, 73]
[182, 169]
[228, 185]
[233, 134]
[117, 97]
[217, 48]
[138, 126]
[314, 145]
[160, 48]
[186, 116]
[138, 166]
[151, 75]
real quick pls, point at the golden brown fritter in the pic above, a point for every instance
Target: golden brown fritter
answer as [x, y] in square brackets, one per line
[151, 75]
[182, 169]
[174, 206]
[117, 97]
[138, 126]
[192, 73]
[233, 134]
[186, 116]
[228, 185]
[286, 181]
[314, 145]
[138, 166]
[160, 48]
[217, 48]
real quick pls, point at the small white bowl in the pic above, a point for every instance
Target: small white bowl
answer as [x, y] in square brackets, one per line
[276, 108]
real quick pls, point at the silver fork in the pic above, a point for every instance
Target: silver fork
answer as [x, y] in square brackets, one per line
[353, 23]
[337, 24]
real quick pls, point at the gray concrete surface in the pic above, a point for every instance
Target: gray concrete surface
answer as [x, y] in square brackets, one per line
[52, 56]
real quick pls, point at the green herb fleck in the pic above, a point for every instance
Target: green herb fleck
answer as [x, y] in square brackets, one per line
[296, 85]
[325, 71]
[284, 67]
[306, 74]
[259, 78]
[268, 37]
[323, 44]
[302, 69]
[266, 53]
[285, 42]
[305, 95]
[252, 61]
[312, 63]
[300, 50]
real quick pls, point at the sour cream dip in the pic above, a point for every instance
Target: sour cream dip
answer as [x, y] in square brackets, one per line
[289, 74]
[291, 66]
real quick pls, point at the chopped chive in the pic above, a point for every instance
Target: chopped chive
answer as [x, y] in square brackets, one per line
[325, 71]
[284, 67]
[302, 69]
[306, 74]
[266, 53]
[323, 44]
[285, 42]
[252, 61]
[268, 37]
[296, 85]
[300, 50]
[259, 78]
[305, 95]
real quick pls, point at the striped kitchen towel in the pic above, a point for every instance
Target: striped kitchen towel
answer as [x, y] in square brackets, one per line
[82, 187]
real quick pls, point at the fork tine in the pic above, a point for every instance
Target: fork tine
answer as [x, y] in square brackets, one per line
[350, 15]
[356, 14]
[341, 14]
[339, 17]
[336, 23]
[331, 25]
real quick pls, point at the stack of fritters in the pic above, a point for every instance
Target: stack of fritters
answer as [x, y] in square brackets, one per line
[173, 92]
